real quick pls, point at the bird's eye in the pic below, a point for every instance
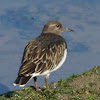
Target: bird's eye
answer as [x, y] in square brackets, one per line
[57, 25]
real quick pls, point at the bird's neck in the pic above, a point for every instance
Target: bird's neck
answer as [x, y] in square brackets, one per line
[50, 33]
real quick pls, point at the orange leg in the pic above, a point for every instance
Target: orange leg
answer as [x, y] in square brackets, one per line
[35, 81]
[46, 81]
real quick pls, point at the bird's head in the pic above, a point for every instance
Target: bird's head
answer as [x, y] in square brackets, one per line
[54, 27]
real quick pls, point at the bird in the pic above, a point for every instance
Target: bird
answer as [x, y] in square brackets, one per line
[43, 55]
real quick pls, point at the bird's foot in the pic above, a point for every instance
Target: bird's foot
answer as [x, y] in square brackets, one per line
[46, 90]
[38, 89]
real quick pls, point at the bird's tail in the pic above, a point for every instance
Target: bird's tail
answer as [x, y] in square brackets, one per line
[22, 80]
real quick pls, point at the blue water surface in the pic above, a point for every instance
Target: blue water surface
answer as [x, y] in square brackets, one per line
[23, 20]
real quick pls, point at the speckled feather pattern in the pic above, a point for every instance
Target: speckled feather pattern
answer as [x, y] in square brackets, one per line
[42, 54]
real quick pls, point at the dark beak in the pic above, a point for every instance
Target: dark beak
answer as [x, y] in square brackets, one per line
[66, 29]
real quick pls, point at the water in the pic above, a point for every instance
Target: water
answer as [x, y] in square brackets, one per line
[22, 20]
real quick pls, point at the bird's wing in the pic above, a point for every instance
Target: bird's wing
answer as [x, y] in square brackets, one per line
[50, 56]
[41, 56]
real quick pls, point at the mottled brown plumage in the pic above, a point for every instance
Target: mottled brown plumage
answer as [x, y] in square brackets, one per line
[43, 54]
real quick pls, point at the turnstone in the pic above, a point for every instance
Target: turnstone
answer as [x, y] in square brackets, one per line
[43, 55]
